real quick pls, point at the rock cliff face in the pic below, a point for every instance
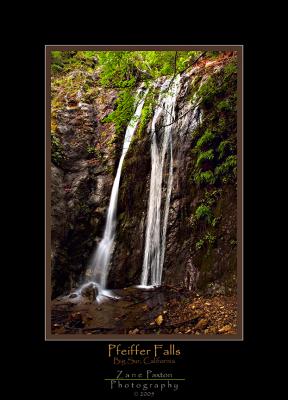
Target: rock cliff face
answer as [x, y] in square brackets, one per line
[80, 189]
[201, 235]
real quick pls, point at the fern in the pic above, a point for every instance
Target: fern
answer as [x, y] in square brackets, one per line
[204, 156]
[205, 139]
[229, 165]
[204, 177]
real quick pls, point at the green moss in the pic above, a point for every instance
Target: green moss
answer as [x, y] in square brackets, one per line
[90, 94]
[147, 113]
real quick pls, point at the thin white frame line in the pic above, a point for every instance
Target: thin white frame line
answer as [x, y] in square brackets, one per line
[144, 45]
[45, 183]
[242, 187]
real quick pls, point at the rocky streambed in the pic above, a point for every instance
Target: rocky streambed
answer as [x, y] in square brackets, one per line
[133, 310]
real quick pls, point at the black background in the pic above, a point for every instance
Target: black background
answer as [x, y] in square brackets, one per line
[209, 367]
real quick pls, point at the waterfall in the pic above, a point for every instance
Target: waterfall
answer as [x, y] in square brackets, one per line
[101, 258]
[161, 149]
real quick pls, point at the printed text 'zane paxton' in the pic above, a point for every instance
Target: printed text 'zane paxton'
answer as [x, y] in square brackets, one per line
[145, 383]
[136, 350]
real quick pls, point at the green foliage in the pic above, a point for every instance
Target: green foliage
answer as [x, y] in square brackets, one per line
[124, 68]
[215, 221]
[56, 68]
[146, 115]
[206, 177]
[208, 239]
[65, 61]
[208, 90]
[212, 54]
[199, 244]
[224, 105]
[215, 86]
[93, 151]
[228, 169]
[116, 68]
[124, 111]
[210, 197]
[230, 68]
[225, 147]
[57, 152]
[227, 104]
[205, 139]
[56, 61]
[185, 58]
[90, 94]
[204, 212]
[204, 156]
[216, 137]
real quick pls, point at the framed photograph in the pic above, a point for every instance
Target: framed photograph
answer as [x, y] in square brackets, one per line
[144, 189]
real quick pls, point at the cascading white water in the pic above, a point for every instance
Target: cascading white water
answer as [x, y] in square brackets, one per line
[101, 258]
[155, 240]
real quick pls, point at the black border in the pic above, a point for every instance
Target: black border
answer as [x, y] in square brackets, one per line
[198, 356]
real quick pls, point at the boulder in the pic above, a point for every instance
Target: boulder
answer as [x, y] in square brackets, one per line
[90, 291]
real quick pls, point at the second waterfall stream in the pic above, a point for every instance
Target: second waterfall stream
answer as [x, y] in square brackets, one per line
[161, 150]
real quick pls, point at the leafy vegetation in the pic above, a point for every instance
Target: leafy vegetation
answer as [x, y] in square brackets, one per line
[57, 152]
[205, 139]
[146, 115]
[214, 151]
[82, 73]
[123, 68]
[216, 139]
[227, 171]
[206, 177]
[204, 212]
[123, 112]
[204, 156]
[147, 111]
[199, 244]
[208, 239]
[226, 147]
[65, 61]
